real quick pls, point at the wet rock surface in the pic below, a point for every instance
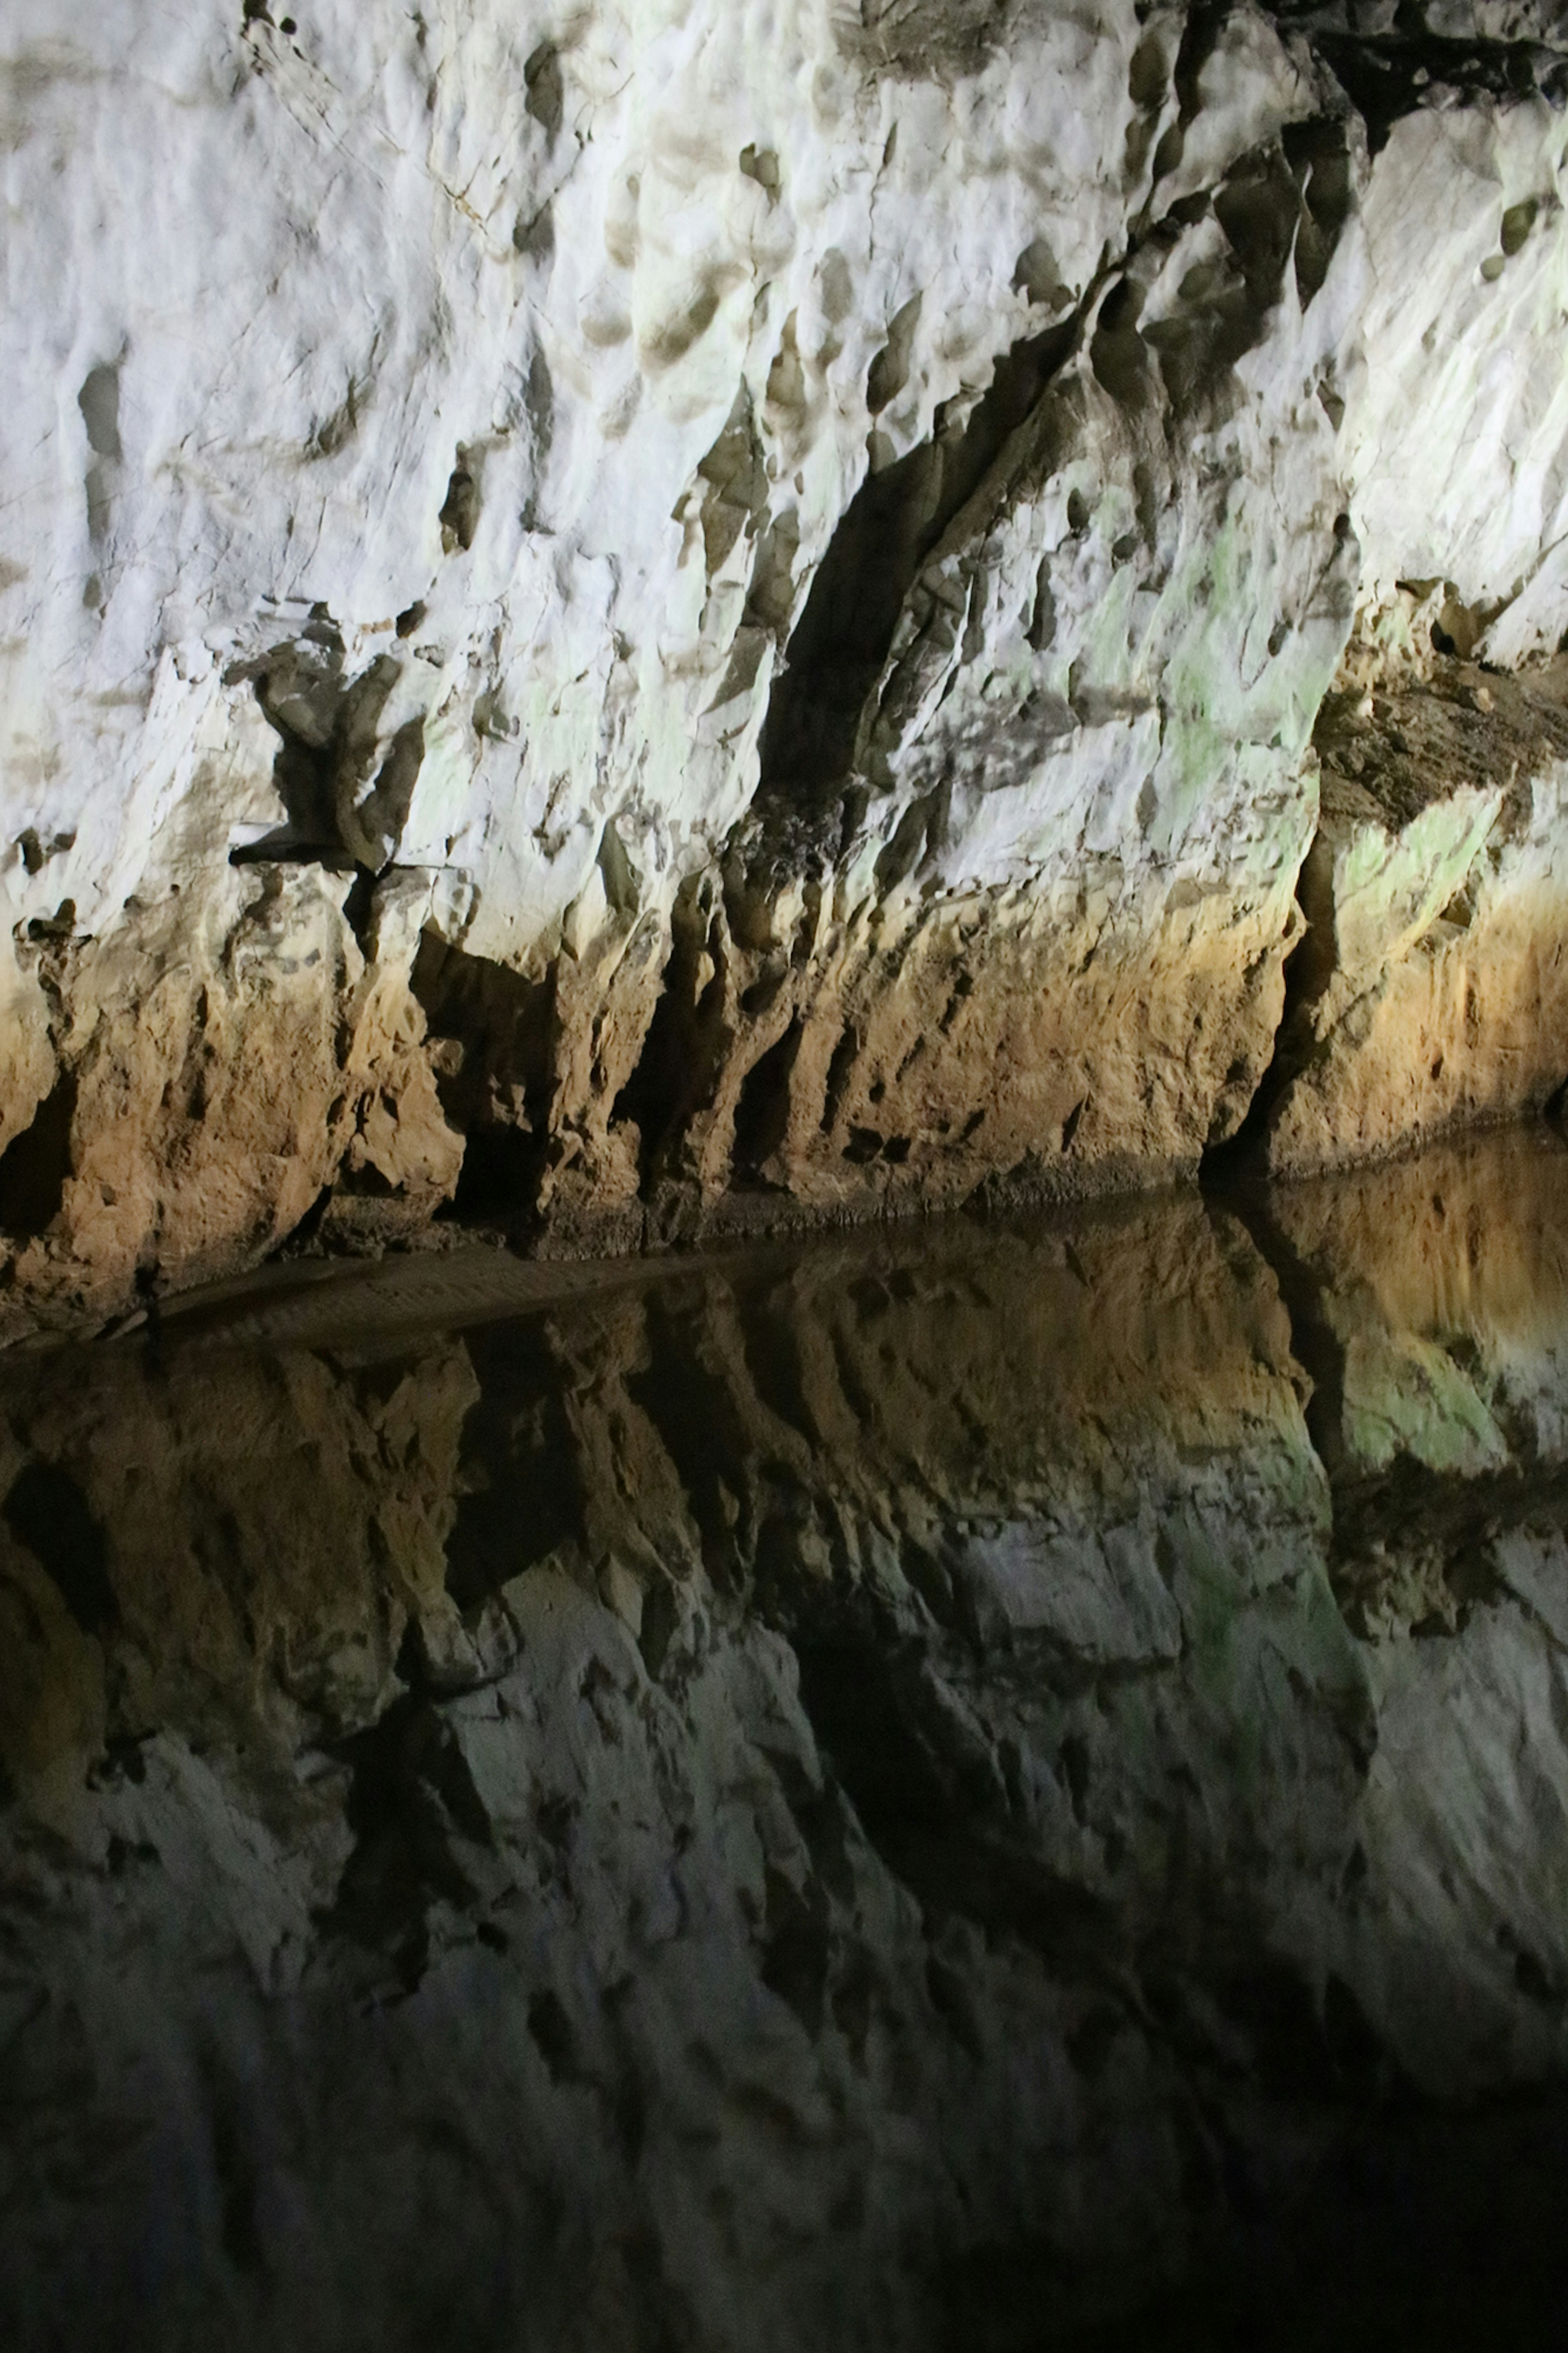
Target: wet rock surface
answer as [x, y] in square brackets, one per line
[999, 1786]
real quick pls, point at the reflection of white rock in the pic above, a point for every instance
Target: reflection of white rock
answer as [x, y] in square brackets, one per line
[1535, 1567]
[1098, 1592]
[1413, 1399]
[1469, 1752]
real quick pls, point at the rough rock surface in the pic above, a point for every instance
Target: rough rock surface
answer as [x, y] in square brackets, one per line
[715, 613]
[1432, 970]
[957, 1791]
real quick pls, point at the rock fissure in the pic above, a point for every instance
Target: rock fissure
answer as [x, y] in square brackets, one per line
[839, 649]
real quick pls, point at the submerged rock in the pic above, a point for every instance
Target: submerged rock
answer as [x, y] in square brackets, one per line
[679, 621]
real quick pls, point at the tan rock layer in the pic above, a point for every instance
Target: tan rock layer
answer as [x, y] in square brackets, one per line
[776, 1064]
[215, 1068]
[289, 1044]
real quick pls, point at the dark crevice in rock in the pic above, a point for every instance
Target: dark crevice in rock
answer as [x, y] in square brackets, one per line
[1308, 969]
[546, 88]
[846, 1054]
[36, 1165]
[890, 371]
[410, 1798]
[771, 1346]
[841, 642]
[301, 1239]
[500, 1175]
[517, 1440]
[1388, 75]
[492, 1039]
[1319, 155]
[688, 1040]
[762, 1115]
[796, 1946]
[929, 1807]
[1285, 203]
[1262, 207]
[235, 2170]
[1410, 1510]
[383, 812]
[99, 401]
[36, 853]
[1384, 759]
[359, 910]
[48, 1512]
[459, 516]
[694, 1410]
[300, 687]
[1200, 36]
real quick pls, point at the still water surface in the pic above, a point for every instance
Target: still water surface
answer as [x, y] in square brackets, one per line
[981, 1787]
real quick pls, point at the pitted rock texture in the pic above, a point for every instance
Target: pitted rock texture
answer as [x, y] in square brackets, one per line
[980, 1788]
[680, 616]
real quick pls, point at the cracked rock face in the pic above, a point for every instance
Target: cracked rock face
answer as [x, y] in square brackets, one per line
[974, 1791]
[673, 618]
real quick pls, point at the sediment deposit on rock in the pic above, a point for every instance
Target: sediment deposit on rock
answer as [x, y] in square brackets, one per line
[672, 616]
[920, 1792]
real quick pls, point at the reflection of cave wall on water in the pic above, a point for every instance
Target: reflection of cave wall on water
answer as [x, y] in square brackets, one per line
[863, 1783]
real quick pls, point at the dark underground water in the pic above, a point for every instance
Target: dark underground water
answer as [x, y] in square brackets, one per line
[979, 1788]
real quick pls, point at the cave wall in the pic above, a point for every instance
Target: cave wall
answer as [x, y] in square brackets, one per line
[680, 616]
